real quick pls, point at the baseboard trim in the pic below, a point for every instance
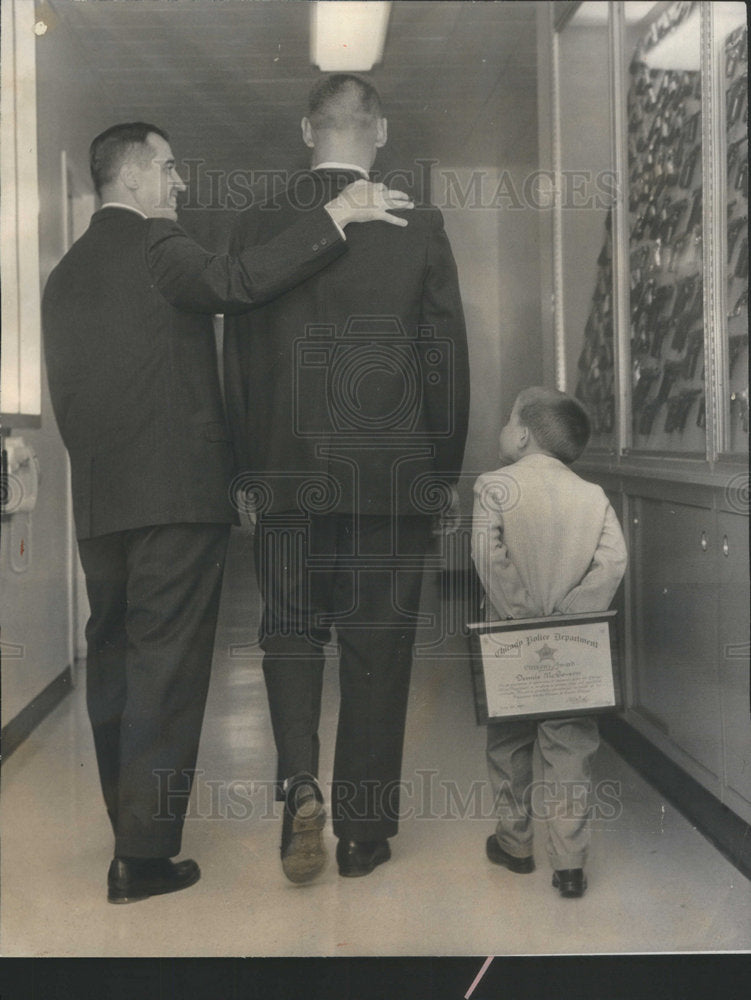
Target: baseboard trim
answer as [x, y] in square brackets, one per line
[22, 725]
[728, 832]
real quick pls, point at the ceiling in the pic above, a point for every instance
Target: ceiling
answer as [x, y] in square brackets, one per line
[229, 78]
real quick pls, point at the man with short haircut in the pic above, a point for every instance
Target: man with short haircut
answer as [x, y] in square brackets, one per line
[133, 378]
[348, 400]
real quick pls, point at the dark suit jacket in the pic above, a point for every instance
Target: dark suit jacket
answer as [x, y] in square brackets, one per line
[132, 367]
[351, 391]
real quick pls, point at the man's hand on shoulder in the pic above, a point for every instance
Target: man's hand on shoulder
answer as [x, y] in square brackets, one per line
[364, 201]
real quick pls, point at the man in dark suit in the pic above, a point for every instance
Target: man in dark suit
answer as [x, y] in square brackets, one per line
[133, 377]
[348, 400]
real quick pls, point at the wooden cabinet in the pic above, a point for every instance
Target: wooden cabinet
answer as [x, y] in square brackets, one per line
[686, 624]
[735, 668]
[675, 631]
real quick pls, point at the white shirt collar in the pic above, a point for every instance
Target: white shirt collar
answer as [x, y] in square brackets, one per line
[539, 458]
[333, 165]
[130, 208]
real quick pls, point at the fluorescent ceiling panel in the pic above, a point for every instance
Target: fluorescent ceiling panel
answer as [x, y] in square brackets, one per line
[348, 36]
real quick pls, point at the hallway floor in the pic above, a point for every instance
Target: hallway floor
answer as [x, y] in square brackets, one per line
[655, 883]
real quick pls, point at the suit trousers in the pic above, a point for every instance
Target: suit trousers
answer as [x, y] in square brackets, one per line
[563, 798]
[362, 574]
[154, 596]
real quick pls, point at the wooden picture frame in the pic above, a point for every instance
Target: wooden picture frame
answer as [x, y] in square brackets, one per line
[542, 668]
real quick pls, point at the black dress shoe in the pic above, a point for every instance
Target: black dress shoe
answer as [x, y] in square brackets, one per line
[303, 853]
[494, 851]
[131, 879]
[360, 857]
[570, 882]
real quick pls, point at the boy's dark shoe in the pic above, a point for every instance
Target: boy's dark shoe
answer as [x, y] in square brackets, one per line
[494, 851]
[132, 879]
[303, 853]
[570, 882]
[360, 857]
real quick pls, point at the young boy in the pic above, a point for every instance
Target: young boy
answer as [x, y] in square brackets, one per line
[544, 542]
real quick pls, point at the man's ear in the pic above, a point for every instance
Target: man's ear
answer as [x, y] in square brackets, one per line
[307, 133]
[129, 175]
[382, 132]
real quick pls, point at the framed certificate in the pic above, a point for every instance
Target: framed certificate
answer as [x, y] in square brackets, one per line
[539, 668]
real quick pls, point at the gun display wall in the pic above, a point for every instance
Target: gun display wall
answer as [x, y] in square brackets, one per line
[596, 367]
[665, 217]
[665, 194]
[736, 104]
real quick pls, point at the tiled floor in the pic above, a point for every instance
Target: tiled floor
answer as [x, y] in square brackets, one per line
[656, 884]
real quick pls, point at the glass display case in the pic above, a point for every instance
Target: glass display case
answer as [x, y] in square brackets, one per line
[665, 230]
[651, 284]
[734, 69]
[587, 193]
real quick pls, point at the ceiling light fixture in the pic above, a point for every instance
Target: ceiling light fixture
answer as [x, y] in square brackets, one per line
[348, 36]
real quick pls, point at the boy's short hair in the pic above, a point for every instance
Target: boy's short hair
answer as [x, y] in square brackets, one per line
[559, 423]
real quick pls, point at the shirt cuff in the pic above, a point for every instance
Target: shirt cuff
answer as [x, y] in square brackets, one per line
[335, 223]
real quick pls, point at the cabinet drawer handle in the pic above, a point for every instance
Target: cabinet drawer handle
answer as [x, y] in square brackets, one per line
[725, 546]
[704, 543]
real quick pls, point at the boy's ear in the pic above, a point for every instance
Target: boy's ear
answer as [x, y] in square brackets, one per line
[524, 436]
[382, 133]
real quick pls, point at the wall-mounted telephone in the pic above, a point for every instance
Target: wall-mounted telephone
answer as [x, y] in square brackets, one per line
[19, 489]
[20, 477]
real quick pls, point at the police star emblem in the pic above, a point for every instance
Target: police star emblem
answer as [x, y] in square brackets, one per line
[545, 653]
